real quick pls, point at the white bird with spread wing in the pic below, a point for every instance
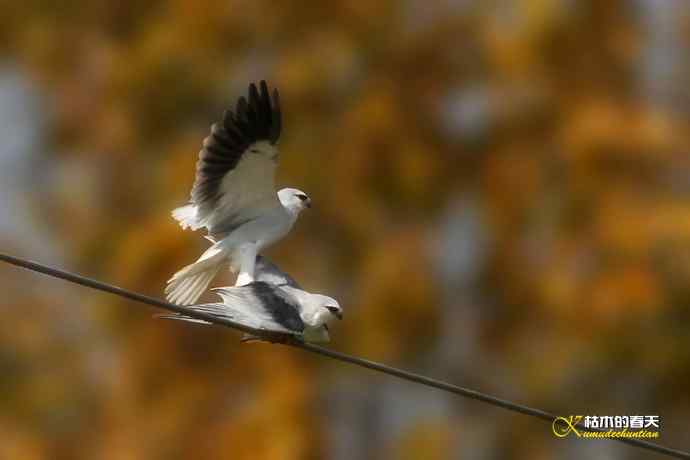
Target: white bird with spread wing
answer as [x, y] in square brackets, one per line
[234, 195]
[273, 303]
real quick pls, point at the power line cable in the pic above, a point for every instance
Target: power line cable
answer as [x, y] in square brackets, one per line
[410, 376]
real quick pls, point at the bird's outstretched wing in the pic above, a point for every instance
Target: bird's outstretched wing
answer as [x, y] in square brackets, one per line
[236, 168]
[258, 305]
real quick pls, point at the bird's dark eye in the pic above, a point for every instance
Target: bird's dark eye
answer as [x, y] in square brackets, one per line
[335, 311]
[302, 197]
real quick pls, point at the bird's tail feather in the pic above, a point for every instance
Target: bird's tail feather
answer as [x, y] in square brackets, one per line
[216, 309]
[187, 217]
[179, 317]
[187, 285]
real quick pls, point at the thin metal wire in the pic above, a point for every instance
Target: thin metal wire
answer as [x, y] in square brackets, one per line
[410, 376]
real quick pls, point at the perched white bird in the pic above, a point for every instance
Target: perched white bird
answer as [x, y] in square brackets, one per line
[274, 303]
[234, 195]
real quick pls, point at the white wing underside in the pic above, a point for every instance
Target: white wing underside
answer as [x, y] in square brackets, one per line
[246, 192]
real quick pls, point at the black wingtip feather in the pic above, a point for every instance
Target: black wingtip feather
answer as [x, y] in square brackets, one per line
[276, 117]
[254, 98]
[241, 110]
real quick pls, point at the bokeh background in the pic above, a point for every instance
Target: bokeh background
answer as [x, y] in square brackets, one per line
[502, 200]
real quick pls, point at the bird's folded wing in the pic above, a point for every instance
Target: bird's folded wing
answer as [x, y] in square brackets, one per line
[257, 305]
[223, 311]
[269, 303]
[236, 168]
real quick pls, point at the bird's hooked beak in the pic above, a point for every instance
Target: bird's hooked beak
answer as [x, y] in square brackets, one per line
[307, 203]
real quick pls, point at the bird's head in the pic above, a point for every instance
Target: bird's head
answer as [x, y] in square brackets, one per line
[328, 310]
[294, 200]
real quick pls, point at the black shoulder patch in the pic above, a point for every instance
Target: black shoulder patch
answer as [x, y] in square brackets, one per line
[279, 305]
[253, 121]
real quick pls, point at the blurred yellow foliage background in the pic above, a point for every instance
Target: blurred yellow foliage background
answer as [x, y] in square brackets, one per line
[501, 199]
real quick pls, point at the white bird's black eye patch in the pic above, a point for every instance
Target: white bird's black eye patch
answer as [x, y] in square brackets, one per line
[302, 197]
